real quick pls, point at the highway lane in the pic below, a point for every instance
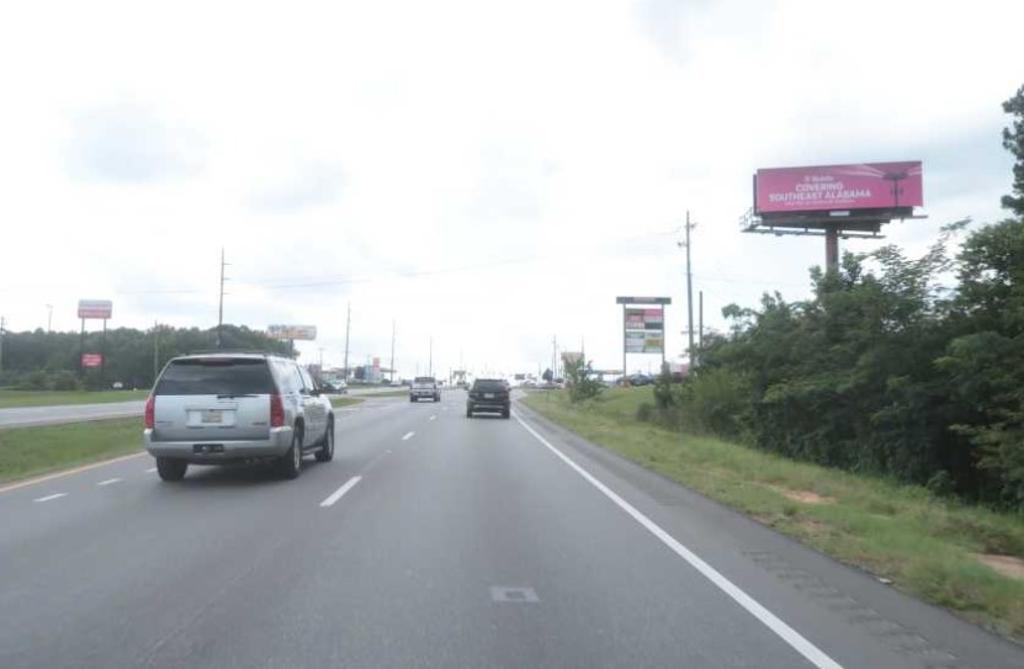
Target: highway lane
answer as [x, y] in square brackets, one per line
[68, 413]
[433, 541]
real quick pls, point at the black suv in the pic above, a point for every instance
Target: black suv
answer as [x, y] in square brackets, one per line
[488, 395]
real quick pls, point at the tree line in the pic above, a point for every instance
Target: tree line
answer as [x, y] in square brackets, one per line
[41, 360]
[886, 368]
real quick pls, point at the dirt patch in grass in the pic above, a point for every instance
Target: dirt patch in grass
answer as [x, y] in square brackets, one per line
[1007, 565]
[804, 496]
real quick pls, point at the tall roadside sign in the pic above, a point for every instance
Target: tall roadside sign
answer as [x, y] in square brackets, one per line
[94, 309]
[643, 326]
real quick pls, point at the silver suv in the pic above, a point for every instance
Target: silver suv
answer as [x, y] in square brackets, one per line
[236, 407]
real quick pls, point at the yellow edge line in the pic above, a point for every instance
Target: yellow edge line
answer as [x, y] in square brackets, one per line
[68, 472]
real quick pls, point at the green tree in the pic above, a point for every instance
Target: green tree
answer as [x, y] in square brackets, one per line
[1013, 140]
[580, 380]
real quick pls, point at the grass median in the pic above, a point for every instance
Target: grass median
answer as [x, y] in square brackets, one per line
[963, 557]
[30, 451]
[345, 401]
[34, 398]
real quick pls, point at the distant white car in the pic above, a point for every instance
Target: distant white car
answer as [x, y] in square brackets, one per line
[424, 387]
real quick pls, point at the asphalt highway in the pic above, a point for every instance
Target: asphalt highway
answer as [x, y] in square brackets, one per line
[433, 540]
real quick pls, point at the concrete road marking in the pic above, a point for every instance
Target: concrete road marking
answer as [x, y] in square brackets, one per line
[336, 495]
[49, 497]
[408, 436]
[500, 593]
[801, 645]
[109, 481]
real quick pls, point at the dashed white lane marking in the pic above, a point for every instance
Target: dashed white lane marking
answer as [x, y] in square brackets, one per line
[109, 481]
[336, 495]
[432, 418]
[771, 621]
[151, 470]
[408, 436]
[500, 593]
[49, 497]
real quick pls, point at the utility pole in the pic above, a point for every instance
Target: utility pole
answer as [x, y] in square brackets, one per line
[2, 332]
[689, 287]
[391, 365]
[430, 359]
[220, 307]
[49, 318]
[321, 360]
[348, 325]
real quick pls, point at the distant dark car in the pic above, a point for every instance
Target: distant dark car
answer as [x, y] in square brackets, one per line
[490, 395]
[640, 380]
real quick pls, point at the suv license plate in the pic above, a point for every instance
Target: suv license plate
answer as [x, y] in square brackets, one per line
[213, 416]
[488, 396]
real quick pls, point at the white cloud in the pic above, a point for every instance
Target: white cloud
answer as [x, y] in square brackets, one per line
[489, 174]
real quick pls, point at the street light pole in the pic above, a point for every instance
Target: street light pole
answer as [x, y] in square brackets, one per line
[348, 325]
[689, 289]
[391, 365]
[49, 318]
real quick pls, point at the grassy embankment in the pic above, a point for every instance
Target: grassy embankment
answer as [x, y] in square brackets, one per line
[940, 550]
[30, 451]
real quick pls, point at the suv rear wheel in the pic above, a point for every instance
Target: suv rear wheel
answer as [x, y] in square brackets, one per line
[290, 464]
[171, 469]
[326, 452]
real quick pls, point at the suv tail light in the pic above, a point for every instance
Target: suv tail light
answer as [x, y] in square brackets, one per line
[150, 411]
[276, 411]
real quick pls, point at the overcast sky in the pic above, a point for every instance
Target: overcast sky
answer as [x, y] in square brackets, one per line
[490, 175]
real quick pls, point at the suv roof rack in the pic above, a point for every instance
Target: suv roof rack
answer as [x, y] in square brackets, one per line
[230, 351]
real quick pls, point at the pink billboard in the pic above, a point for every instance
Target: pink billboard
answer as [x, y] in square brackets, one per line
[838, 187]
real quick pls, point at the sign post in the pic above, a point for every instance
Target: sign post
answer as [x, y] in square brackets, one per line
[643, 328]
[93, 309]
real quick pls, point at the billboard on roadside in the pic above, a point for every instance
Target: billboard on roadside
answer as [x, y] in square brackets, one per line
[303, 332]
[95, 308]
[838, 187]
[92, 360]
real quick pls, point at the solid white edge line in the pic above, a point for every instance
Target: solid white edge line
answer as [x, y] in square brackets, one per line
[109, 481]
[336, 495]
[408, 435]
[769, 619]
[49, 497]
[432, 418]
[151, 470]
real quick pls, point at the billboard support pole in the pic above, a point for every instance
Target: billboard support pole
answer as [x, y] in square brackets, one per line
[103, 356]
[81, 350]
[623, 343]
[831, 248]
[663, 329]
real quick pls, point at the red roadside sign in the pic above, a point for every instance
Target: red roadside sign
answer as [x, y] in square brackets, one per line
[92, 360]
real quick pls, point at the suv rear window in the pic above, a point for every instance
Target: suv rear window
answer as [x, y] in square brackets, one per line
[423, 379]
[216, 376]
[489, 386]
